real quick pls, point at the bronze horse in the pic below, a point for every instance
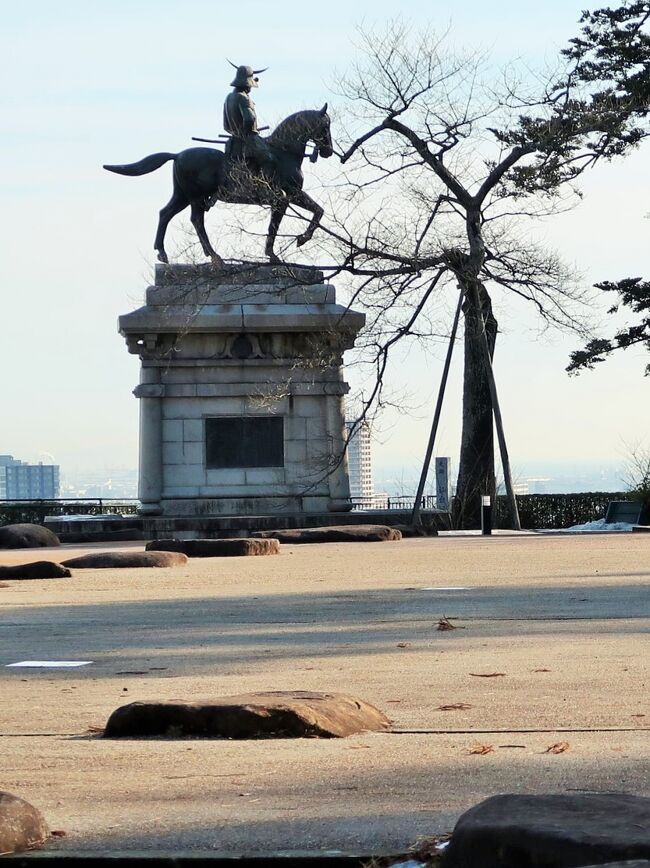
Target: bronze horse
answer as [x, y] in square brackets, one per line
[202, 176]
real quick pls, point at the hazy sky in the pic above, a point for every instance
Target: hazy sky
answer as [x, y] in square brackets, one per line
[92, 82]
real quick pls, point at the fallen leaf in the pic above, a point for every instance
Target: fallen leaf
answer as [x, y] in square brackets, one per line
[638, 715]
[445, 624]
[58, 833]
[542, 670]
[357, 746]
[481, 749]
[488, 674]
[393, 700]
[428, 848]
[558, 747]
[403, 644]
[455, 706]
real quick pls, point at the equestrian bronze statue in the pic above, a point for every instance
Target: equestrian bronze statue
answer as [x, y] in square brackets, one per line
[252, 171]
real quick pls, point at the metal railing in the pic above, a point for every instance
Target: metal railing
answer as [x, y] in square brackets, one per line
[34, 510]
[99, 501]
[388, 502]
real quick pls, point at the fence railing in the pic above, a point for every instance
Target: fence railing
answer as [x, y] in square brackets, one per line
[35, 511]
[403, 502]
[536, 511]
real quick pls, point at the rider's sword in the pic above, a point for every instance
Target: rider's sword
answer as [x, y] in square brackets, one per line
[223, 138]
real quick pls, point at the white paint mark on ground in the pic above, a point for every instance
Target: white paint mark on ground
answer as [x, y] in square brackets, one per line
[48, 664]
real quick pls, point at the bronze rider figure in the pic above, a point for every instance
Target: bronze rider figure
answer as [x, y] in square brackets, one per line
[240, 120]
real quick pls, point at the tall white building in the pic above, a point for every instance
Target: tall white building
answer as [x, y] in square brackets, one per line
[360, 463]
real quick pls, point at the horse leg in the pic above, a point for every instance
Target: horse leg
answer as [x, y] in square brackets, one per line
[197, 215]
[171, 209]
[278, 210]
[302, 200]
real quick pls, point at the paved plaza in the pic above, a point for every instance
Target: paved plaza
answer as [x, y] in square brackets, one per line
[551, 649]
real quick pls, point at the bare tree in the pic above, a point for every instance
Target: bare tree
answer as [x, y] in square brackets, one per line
[449, 171]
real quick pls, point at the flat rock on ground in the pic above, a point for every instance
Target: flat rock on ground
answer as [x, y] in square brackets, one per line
[276, 714]
[117, 560]
[216, 548]
[27, 536]
[342, 533]
[22, 826]
[551, 831]
[35, 570]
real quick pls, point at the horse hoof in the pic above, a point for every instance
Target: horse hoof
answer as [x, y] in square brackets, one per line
[217, 261]
[162, 257]
[274, 259]
[300, 240]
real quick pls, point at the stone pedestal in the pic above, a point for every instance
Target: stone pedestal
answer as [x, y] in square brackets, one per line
[241, 391]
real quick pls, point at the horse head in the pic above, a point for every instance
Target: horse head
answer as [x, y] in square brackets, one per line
[294, 132]
[322, 135]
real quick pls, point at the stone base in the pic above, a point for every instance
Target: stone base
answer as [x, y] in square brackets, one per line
[219, 527]
[241, 391]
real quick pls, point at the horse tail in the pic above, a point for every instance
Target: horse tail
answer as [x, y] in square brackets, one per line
[143, 167]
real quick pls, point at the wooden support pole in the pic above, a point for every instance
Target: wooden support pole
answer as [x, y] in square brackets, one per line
[416, 521]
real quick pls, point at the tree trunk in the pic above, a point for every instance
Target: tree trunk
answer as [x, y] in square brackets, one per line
[476, 467]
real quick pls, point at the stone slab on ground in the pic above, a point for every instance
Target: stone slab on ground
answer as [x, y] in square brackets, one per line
[22, 826]
[123, 560]
[35, 570]
[551, 831]
[342, 533]
[216, 548]
[272, 714]
[27, 536]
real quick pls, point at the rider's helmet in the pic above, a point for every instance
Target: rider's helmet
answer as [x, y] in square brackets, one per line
[246, 76]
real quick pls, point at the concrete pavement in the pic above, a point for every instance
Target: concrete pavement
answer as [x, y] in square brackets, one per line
[564, 619]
